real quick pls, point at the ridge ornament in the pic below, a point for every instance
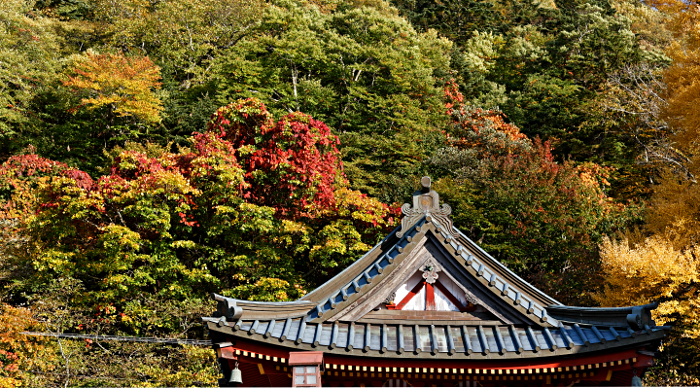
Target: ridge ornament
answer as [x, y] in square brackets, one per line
[426, 203]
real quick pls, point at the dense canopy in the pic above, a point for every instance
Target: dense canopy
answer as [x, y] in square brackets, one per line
[154, 152]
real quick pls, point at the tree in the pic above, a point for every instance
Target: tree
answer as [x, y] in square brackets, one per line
[660, 261]
[544, 64]
[119, 86]
[29, 49]
[683, 76]
[541, 218]
[290, 166]
[183, 37]
[179, 225]
[655, 269]
[364, 71]
[456, 20]
[14, 346]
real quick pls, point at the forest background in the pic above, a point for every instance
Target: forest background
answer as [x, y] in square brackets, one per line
[154, 151]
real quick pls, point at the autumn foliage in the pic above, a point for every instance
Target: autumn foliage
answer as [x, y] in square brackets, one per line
[482, 129]
[19, 353]
[226, 213]
[154, 151]
[122, 85]
[291, 165]
[541, 217]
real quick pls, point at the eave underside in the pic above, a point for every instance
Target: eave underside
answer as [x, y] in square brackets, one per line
[265, 365]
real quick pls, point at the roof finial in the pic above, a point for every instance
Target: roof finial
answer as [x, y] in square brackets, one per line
[425, 182]
[426, 203]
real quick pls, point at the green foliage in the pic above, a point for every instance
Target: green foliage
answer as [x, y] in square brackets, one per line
[29, 50]
[182, 36]
[544, 64]
[365, 72]
[456, 20]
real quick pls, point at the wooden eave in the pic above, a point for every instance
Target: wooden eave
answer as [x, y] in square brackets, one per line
[478, 343]
[636, 316]
[274, 310]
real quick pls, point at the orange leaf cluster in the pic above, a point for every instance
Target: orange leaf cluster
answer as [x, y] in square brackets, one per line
[123, 85]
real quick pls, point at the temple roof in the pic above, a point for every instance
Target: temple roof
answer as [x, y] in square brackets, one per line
[437, 339]
[482, 308]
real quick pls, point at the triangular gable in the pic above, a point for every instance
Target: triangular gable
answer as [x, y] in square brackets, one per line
[408, 278]
[482, 281]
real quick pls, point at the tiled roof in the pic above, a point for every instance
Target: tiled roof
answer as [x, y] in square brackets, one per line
[445, 340]
[525, 322]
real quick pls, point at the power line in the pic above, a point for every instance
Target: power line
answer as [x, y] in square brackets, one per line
[169, 341]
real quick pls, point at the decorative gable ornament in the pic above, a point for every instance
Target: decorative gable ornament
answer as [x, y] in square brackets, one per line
[430, 273]
[428, 305]
[426, 203]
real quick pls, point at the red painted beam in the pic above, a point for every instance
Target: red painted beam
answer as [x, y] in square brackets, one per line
[429, 297]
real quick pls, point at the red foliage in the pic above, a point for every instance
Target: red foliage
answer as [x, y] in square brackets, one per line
[81, 178]
[291, 165]
[470, 121]
[240, 122]
[24, 166]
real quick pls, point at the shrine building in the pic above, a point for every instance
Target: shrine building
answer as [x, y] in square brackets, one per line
[428, 307]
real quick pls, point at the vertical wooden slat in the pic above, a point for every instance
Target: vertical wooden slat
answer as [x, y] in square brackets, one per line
[567, 340]
[598, 334]
[468, 348]
[516, 340]
[550, 338]
[581, 334]
[317, 334]
[300, 333]
[334, 335]
[533, 339]
[485, 348]
[614, 333]
[254, 327]
[270, 327]
[351, 336]
[384, 343]
[450, 340]
[285, 331]
[416, 337]
[499, 340]
[368, 337]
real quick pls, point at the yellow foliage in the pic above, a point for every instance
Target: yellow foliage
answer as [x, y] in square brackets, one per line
[124, 85]
[653, 270]
[18, 353]
[683, 80]
[683, 76]
[683, 17]
[674, 211]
